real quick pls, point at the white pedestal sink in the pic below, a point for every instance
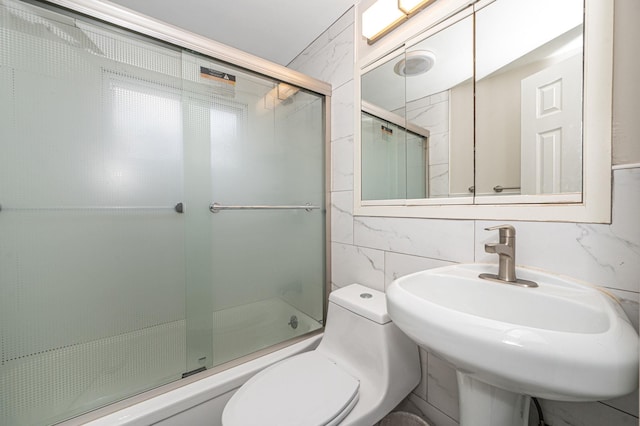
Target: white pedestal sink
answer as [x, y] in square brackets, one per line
[564, 340]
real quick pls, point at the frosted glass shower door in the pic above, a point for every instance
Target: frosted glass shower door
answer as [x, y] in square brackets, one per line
[115, 275]
[92, 271]
[265, 143]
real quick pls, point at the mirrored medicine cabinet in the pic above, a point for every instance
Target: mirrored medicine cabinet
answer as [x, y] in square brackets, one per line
[500, 109]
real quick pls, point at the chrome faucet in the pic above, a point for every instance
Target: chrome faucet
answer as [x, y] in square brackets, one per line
[505, 248]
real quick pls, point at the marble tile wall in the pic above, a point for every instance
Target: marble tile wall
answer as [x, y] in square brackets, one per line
[374, 251]
[432, 112]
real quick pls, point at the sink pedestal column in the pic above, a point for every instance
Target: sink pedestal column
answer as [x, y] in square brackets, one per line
[482, 404]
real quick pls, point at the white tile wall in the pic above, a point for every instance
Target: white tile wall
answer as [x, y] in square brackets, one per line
[342, 164]
[435, 117]
[397, 265]
[330, 56]
[432, 112]
[342, 217]
[342, 111]
[442, 386]
[352, 264]
[421, 390]
[374, 251]
[439, 148]
[605, 255]
[447, 240]
[439, 180]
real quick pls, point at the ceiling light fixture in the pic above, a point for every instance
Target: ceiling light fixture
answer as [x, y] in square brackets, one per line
[380, 18]
[411, 7]
[385, 15]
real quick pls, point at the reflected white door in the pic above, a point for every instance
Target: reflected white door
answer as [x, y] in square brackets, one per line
[551, 129]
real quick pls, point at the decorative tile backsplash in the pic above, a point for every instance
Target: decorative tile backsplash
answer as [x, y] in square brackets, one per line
[374, 251]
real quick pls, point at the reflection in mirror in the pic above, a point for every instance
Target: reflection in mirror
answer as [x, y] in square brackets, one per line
[384, 135]
[417, 119]
[384, 88]
[523, 134]
[529, 97]
[395, 161]
[394, 157]
[441, 100]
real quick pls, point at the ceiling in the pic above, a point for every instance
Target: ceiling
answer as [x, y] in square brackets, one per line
[277, 30]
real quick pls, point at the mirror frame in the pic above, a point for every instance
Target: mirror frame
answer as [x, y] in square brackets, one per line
[595, 206]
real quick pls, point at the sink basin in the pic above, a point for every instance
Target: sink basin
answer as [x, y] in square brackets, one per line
[564, 340]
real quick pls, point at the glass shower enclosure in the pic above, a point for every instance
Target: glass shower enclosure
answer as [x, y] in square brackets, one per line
[162, 212]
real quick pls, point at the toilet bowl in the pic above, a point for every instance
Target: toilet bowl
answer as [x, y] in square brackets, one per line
[363, 367]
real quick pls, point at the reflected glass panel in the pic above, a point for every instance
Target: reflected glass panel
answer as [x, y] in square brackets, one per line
[383, 88]
[417, 119]
[383, 135]
[394, 161]
[529, 82]
[439, 96]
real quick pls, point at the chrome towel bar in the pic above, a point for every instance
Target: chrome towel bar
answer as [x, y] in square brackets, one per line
[178, 208]
[500, 188]
[216, 207]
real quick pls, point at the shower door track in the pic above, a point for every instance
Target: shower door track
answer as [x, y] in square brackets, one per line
[117, 15]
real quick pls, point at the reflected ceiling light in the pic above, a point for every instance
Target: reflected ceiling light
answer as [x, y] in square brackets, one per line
[285, 91]
[412, 6]
[280, 93]
[415, 63]
[380, 18]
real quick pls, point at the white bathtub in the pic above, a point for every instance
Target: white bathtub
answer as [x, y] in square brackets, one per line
[48, 385]
[201, 402]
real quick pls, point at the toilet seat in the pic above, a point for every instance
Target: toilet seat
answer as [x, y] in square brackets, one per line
[305, 389]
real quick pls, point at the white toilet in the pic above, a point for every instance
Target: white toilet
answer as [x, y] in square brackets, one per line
[363, 367]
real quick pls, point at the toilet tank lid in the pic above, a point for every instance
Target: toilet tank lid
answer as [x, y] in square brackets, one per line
[364, 301]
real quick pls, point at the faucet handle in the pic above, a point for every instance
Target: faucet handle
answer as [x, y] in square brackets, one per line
[506, 231]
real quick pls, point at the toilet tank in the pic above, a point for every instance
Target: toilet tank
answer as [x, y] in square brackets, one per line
[362, 301]
[361, 338]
